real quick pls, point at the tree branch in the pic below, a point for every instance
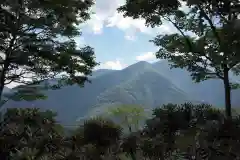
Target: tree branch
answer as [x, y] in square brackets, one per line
[190, 44]
[214, 32]
[182, 33]
[211, 24]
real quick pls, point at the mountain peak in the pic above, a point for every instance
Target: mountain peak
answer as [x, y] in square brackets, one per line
[143, 63]
[139, 65]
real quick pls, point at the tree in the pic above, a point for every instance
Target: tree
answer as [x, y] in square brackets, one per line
[31, 134]
[36, 42]
[129, 116]
[28, 133]
[212, 51]
[101, 132]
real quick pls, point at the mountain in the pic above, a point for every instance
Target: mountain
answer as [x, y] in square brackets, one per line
[100, 72]
[139, 84]
[146, 87]
[210, 91]
[145, 84]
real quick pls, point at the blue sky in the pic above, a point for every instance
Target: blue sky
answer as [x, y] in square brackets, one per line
[119, 41]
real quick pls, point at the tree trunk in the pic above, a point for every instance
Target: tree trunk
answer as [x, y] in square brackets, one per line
[129, 128]
[227, 89]
[5, 67]
[2, 79]
[132, 154]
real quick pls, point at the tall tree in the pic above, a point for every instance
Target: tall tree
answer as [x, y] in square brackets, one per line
[29, 134]
[207, 41]
[36, 41]
[129, 116]
[101, 135]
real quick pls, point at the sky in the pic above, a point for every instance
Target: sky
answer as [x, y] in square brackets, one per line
[119, 42]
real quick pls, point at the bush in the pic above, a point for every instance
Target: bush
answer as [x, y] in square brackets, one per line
[173, 131]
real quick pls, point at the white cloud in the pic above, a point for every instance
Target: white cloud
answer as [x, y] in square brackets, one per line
[117, 20]
[96, 24]
[106, 15]
[115, 65]
[80, 41]
[130, 37]
[103, 9]
[149, 56]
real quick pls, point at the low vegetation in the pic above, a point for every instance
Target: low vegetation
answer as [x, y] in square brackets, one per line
[37, 46]
[173, 132]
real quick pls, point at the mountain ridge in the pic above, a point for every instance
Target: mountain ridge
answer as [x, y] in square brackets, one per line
[142, 83]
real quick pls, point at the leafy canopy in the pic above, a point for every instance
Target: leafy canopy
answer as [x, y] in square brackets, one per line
[207, 39]
[130, 116]
[28, 133]
[36, 41]
[173, 130]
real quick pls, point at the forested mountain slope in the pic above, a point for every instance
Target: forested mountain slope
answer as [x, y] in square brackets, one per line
[210, 91]
[145, 84]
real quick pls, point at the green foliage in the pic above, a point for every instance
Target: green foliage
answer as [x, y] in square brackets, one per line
[129, 116]
[36, 38]
[101, 132]
[206, 55]
[32, 134]
[173, 127]
[211, 49]
[27, 133]
[154, 11]
[130, 145]
[28, 93]
[204, 60]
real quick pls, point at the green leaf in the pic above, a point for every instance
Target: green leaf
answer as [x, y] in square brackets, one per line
[37, 37]
[235, 85]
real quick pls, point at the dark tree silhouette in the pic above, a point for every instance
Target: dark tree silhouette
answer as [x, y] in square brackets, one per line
[206, 42]
[36, 42]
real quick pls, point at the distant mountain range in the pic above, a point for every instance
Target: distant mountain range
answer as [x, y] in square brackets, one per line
[145, 84]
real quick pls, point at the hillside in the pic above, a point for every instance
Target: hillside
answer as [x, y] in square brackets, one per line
[149, 85]
[136, 84]
[147, 88]
[210, 91]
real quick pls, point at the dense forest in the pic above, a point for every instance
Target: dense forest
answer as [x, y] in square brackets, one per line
[173, 132]
[37, 44]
